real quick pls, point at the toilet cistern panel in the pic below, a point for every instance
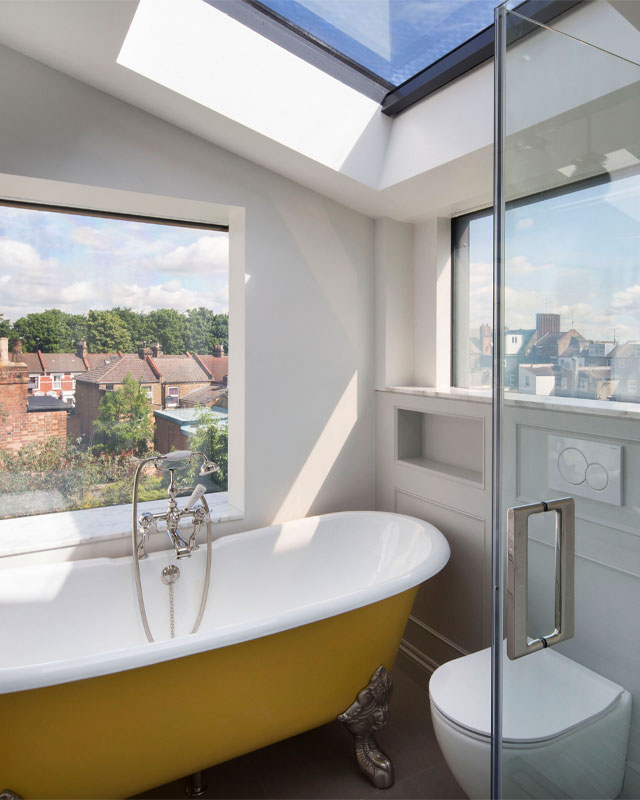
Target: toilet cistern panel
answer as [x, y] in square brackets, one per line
[585, 468]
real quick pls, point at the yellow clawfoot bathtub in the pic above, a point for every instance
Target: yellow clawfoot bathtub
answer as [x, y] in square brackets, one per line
[93, 720]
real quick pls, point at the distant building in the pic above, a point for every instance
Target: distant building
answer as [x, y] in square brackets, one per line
[536, 379]
[625, 372]
[26, 420]
[173, 427]
[54, 374]
[166, 379]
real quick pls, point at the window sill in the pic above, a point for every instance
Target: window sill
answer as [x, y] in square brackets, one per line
[42, 532]
[450, 393]
[571, 405]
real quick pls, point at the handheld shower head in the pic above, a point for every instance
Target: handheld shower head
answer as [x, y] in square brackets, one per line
[208, 467]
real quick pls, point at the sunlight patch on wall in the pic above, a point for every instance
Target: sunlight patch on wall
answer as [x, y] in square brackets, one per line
[322, 457]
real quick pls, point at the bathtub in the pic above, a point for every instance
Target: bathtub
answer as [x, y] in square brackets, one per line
[298, 617]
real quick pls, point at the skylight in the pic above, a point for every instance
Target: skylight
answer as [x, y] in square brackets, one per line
[390, 39]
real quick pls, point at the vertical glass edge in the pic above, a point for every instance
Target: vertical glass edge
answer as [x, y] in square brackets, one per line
[500, 44]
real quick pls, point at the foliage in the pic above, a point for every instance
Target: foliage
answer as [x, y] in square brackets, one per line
[198, 330]
[5, 327]
[211, 438]
[124, 419]
[166, 325]
[52, 331]
[107, 332]
[79, 479]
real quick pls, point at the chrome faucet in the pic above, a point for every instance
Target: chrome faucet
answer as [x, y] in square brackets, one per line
[147, 523]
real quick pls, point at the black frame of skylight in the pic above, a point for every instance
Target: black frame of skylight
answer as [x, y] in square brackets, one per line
[393, 99]
[470, 54]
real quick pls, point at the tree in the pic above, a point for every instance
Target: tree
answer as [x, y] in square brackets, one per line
[166, 325]
[199, 330]
[5, 327]
[124, 419]
[136, 323]
[220, 332]
[52, 331]
[211, 438]
[106, 333]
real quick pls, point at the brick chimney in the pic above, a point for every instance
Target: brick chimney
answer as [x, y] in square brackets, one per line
[14, 383]
[156, 349]
[16, 350]
[547, 323]
[218, 351]
[81, 348]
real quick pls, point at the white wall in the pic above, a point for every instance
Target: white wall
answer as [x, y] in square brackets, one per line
[309, 421]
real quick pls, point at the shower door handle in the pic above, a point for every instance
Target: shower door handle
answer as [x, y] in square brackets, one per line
[518, 643]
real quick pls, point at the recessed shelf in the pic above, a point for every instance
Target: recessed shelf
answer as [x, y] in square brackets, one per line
[447, 444]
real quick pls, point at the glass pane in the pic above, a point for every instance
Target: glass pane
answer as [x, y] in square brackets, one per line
[570, 427]
[394, 39]
[97, 315]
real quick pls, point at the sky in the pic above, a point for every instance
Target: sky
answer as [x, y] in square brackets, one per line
[77, 263]
[393, 38]
[577, 255]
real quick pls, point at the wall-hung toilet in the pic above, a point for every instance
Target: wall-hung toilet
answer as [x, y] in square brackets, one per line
[565, 728]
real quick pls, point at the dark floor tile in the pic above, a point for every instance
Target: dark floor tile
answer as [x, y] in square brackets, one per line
[233, 780]
[318, 764]
[401, 790]
[409, 739]
[438, 783]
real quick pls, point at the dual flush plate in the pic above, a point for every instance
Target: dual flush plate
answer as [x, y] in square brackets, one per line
[585, 468]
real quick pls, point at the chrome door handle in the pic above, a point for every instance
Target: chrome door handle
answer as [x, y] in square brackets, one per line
[517, 575]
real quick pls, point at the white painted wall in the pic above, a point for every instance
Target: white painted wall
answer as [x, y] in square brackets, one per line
[308, 333]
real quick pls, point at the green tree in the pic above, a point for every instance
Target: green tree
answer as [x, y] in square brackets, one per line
[220, 332]
[52, 331]
[5, 327]
[106, 333]
[124, 419]
[136, 323]
[167, 326]
[211, 438]
[199, 330]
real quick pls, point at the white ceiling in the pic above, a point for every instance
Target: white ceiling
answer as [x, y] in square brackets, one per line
[83, 39]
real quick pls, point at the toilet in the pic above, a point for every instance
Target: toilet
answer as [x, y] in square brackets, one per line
[565, 728]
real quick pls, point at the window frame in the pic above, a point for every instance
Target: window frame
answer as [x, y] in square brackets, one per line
[462, 219]
[70, 532]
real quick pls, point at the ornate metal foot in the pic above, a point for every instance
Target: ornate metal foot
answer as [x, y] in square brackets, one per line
[368, 714]
[196, 785]
[7, 794]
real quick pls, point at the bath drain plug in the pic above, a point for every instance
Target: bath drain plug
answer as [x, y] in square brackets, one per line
[170, 574]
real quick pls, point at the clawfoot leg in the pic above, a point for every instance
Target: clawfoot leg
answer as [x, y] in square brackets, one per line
[368, 714]
[7, 794]
[196, 786]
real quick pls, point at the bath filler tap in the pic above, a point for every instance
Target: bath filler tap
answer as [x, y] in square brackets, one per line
[147, 523]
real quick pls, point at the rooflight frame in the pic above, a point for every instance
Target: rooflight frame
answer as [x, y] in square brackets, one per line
[470, 54]
[393, 99]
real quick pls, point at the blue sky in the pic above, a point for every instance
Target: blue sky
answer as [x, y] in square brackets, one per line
[392, 38]
[76, 263]
[574, 254]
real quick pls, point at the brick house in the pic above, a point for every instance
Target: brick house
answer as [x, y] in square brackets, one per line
[165, 379]
[54, 374]
[26, 420]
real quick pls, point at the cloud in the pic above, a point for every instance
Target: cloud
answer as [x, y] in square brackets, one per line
[628, 299]
[520, 265]
[78, 292]
[20, 257]
[92, 237]
[209, 253]
[524, 223]
[168, 295]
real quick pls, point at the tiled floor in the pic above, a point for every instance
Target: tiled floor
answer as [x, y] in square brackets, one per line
[320, 764]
